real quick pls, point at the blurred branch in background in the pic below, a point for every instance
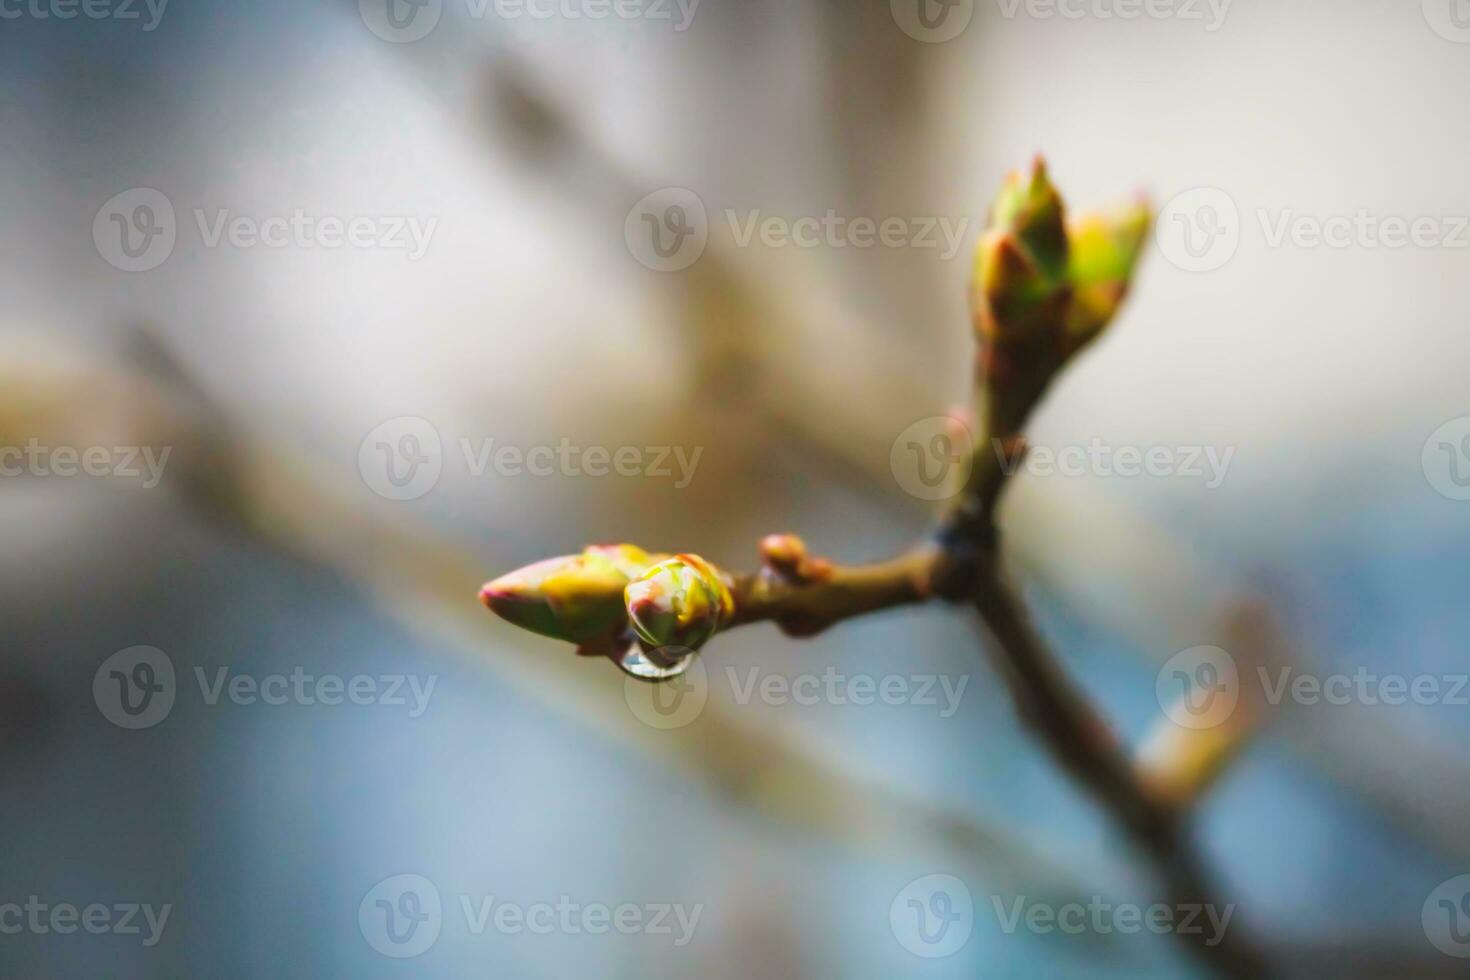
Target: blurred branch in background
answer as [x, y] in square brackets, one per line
[1177, 601]
[742, 321]
[248, 483]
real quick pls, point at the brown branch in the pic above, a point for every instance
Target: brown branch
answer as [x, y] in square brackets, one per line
[1083, 743]
[1060, 712]
[803, 595]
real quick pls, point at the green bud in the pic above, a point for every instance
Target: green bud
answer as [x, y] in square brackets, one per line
[577, 598]
[1029, 208]
[1044, 286]
[682, 602]
[1105, 247]
[1012, 299]
[1019, 285]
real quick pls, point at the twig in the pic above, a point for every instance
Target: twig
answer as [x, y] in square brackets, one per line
[1060, 712]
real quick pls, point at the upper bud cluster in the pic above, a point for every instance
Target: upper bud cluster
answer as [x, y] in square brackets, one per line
[1045, 285]
[1042, 276]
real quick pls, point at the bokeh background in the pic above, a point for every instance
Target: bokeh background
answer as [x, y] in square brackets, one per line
[1335, 374]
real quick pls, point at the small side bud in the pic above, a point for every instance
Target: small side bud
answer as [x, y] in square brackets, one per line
[786, 557]
[783, 552]
[681, 602]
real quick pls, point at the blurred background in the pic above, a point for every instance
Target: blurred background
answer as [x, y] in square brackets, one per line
[297, 274]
